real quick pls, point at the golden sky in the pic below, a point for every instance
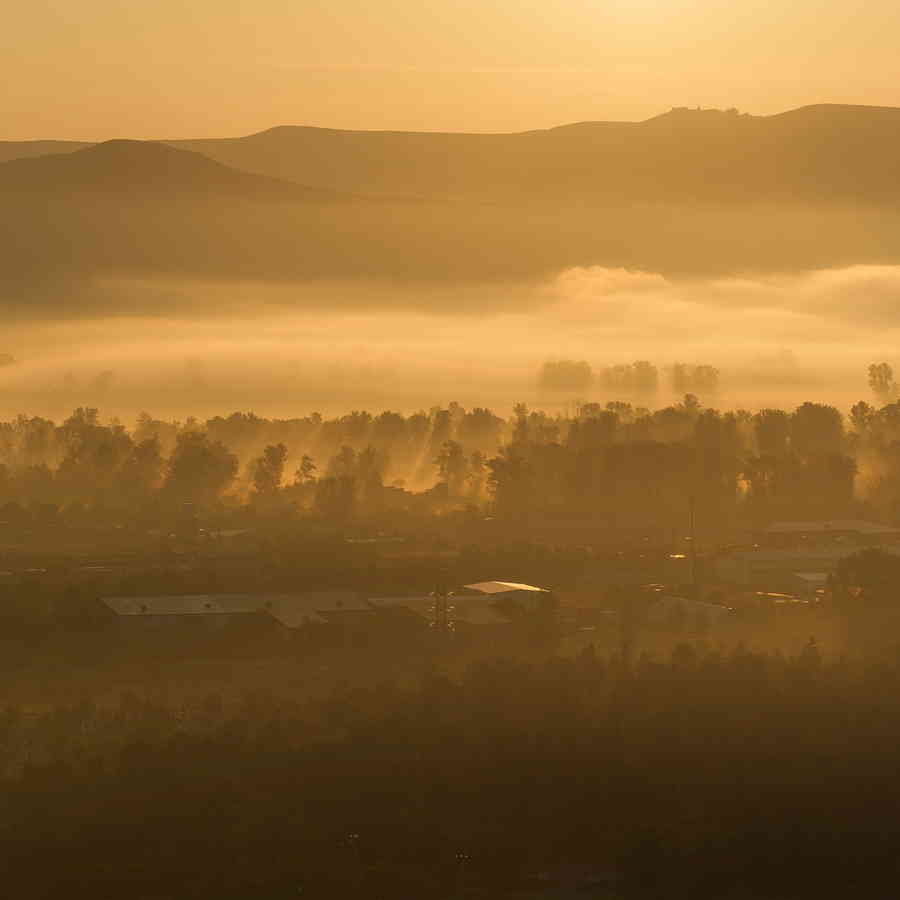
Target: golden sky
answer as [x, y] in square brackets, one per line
[96, 69]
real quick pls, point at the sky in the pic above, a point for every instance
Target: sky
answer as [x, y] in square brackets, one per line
[98, 69]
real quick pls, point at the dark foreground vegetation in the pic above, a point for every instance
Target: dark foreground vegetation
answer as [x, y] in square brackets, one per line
[591, 753]
[702, 775]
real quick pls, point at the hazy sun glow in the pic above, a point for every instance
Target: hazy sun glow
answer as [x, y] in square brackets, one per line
[97, 69]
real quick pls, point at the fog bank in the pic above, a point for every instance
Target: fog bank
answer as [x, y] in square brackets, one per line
[776, 339]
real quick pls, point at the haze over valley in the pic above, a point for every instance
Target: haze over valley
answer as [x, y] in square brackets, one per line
[450, 450]
[304, 268]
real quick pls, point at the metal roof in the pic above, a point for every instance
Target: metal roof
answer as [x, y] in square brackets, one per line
[291, 610]
[804, 557]
[481, 614]
[857, 526]
[812, 577]
[294, 610]
[418, 603]
[180, 605]
[502, 587]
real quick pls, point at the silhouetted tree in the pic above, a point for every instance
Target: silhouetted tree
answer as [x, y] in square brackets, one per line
[816, 428]
[335, 497]
[861, 416]
[702, 379]
[306, 471]
[200, 469]
[510, 480]
[639, 377]
[881, 381]
[452, 467]
[566, 375]
[772, 428]
[141, 471]
[268, 471]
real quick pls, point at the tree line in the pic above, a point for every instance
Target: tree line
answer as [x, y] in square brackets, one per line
[617, 463]
[639, 378]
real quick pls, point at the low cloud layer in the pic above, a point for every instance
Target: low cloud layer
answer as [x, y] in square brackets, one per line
[775, 339]
[815, 305]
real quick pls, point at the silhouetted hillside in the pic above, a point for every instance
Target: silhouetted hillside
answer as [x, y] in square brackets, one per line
[690, 192]
[135, 207]
[814, 154]
[825, 153]
[25, 149]
[129, 166]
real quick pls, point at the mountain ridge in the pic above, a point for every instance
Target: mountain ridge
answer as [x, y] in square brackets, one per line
[673, 111]
[820, 153]
[692, 192]
[135, 166]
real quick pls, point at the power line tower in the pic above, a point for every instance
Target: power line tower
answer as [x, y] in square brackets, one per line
[441, 609]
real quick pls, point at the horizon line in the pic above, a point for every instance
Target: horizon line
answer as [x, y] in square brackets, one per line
[672, 109]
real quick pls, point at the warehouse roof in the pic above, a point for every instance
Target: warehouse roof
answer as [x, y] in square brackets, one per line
[291, 610]
[175, 605]
[294, 610]
[502, 587]
[857, 526]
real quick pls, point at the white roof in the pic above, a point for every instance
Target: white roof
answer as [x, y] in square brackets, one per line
[502, 587]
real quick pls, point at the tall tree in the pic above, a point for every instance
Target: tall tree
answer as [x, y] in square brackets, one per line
[881, 381]
[268, 471]
[199, 469]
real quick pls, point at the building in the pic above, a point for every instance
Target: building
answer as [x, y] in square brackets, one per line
[318, 608]
[340, 614]
[833, 531]
[668, 611]
[811, 585]
[484, 605]
[213, 611]
[207, 611]
[509, 595]
[778, 569]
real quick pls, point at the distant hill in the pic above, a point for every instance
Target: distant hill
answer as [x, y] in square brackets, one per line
[814, 154]
[25, 149]
[141, 166]
[687, 193]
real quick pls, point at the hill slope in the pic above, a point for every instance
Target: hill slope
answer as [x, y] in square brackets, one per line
[26, 149]
[814, 154]
[688, 192]
[138, 166]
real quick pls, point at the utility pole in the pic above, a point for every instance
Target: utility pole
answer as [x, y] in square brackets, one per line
[441, 611]
[442, 620]
[692, 503]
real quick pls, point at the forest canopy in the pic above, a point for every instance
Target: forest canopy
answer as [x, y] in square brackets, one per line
[618, 462]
